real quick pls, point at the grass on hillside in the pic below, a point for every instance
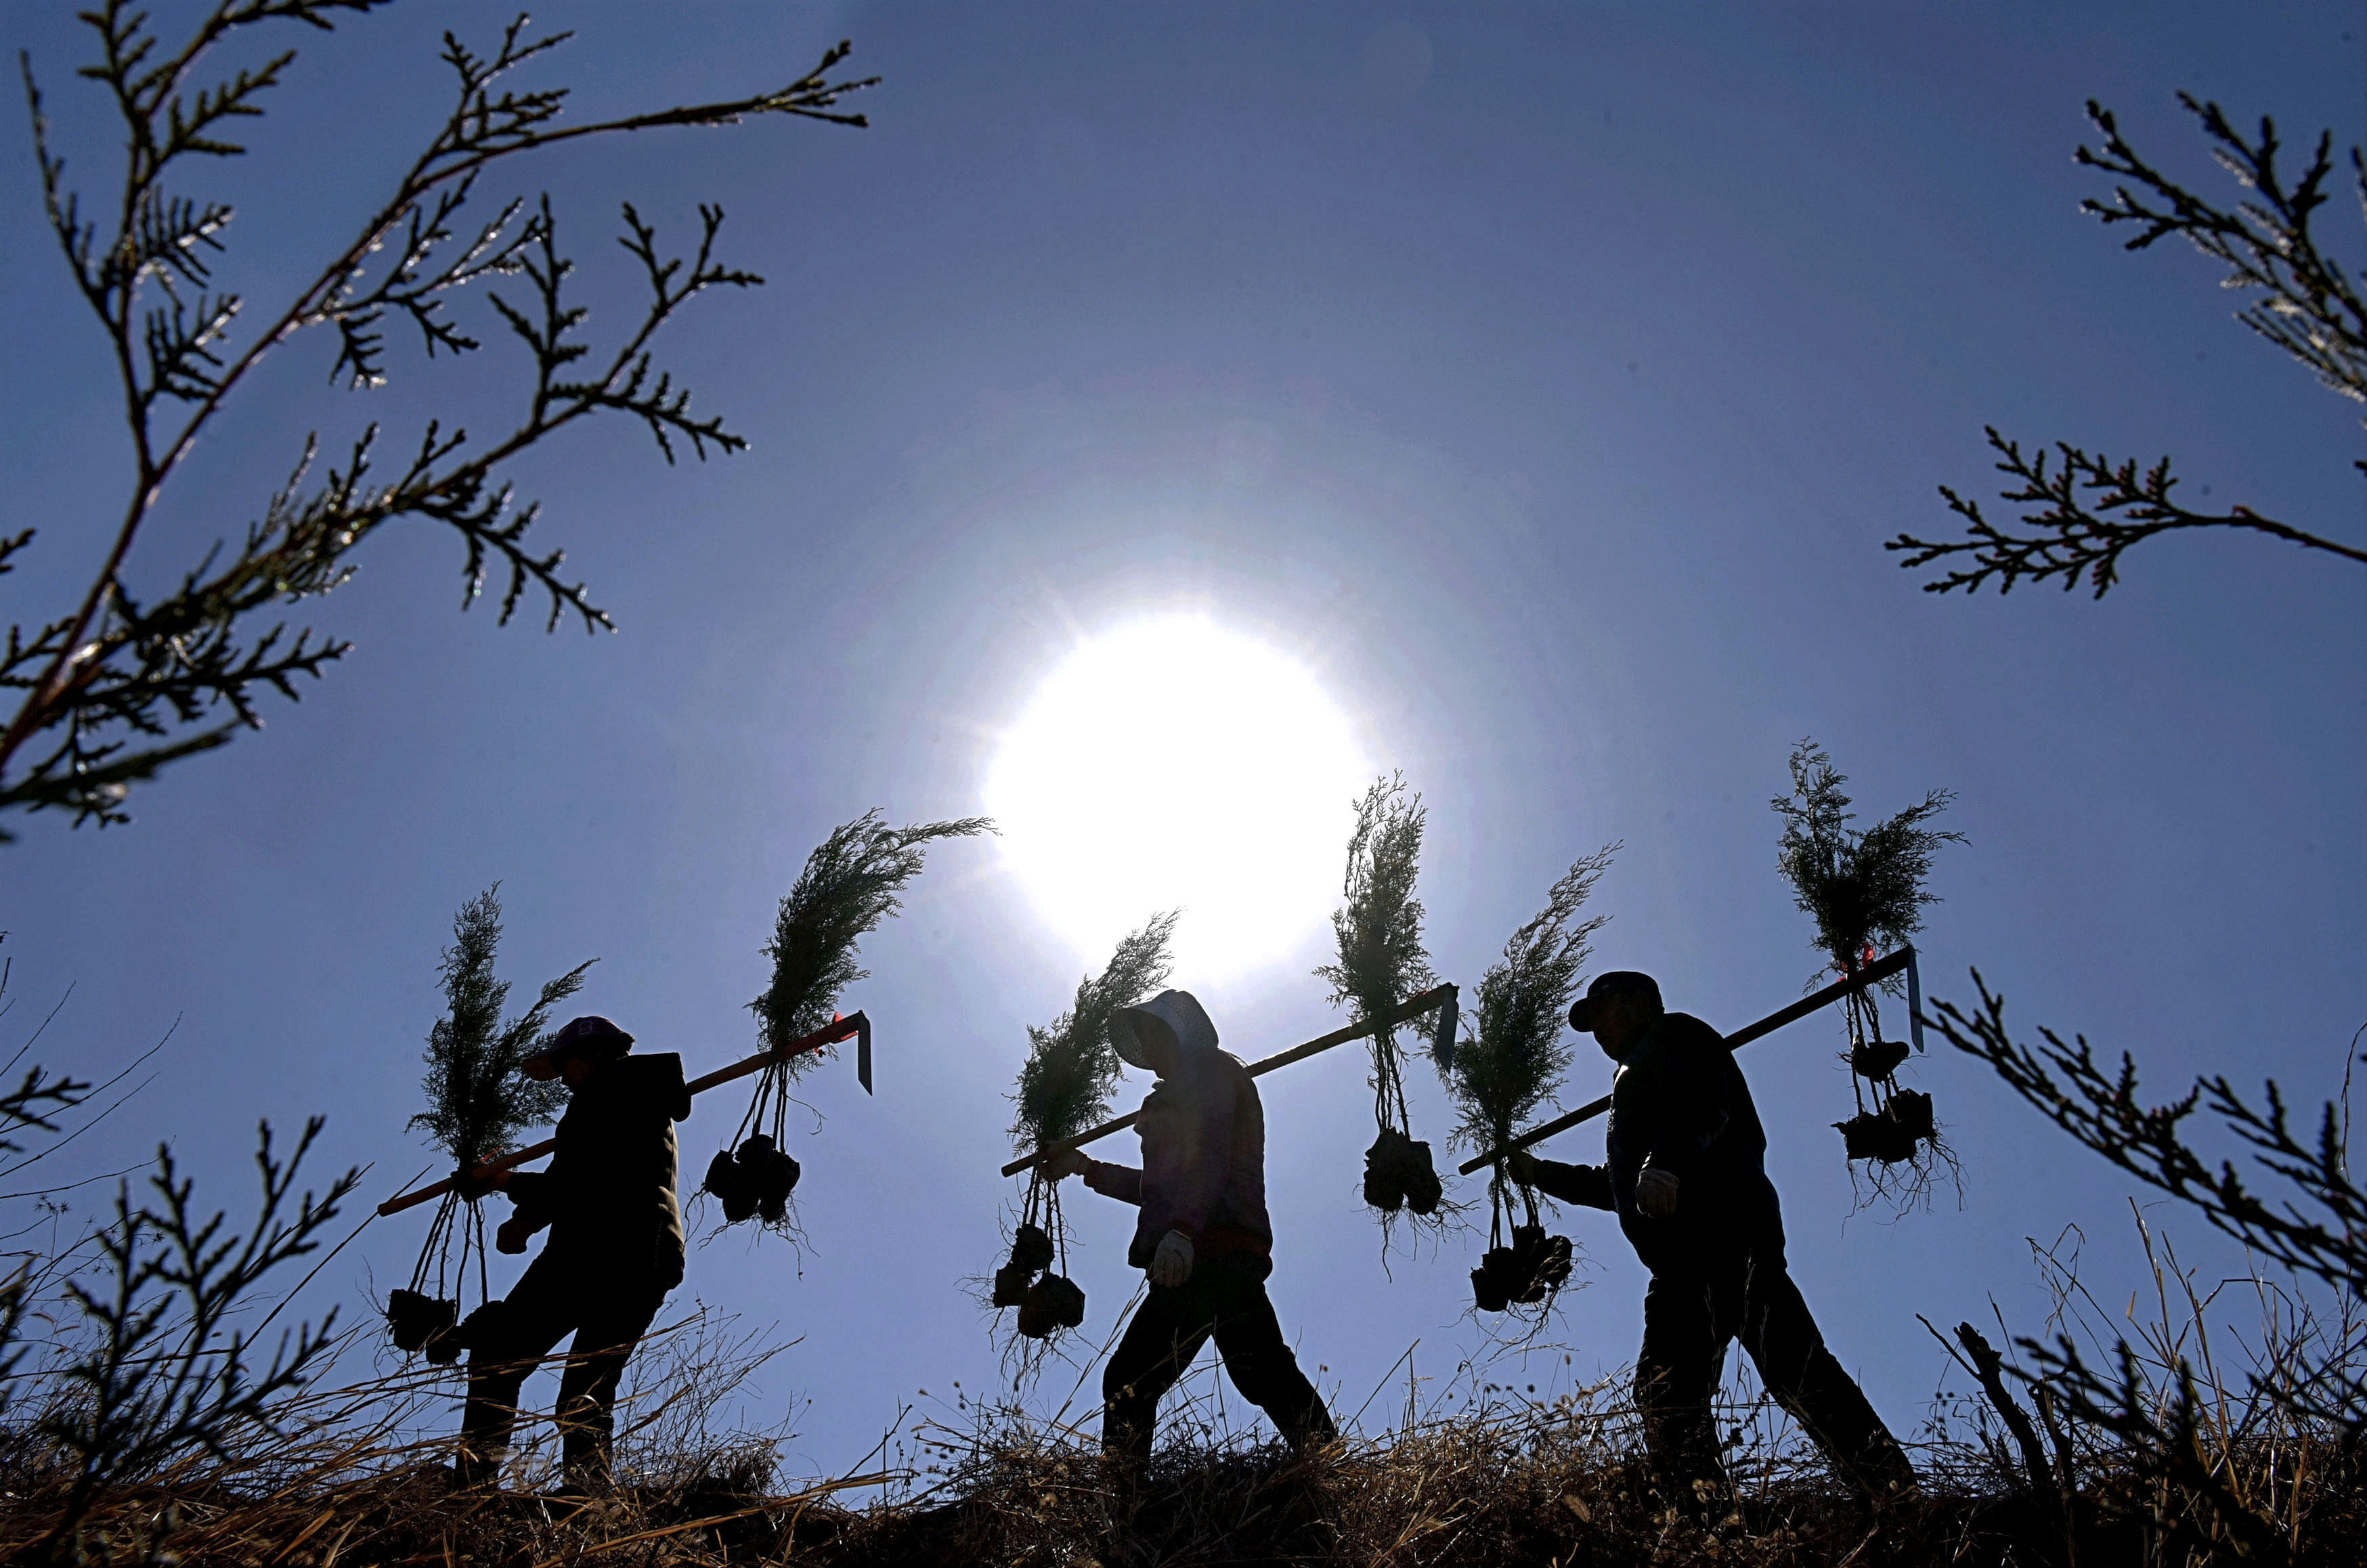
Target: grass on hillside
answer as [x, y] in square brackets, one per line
[1486, 1475]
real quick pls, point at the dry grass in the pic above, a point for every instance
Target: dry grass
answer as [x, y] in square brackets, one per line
[1558, 1483]
[1486, 1473]
[1515, 1482]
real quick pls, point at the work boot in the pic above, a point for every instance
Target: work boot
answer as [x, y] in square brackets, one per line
[474, 1472]
[1881, 1469]
[1687, 1474]
[587, 1475]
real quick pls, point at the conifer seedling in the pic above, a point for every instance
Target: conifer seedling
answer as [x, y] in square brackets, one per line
[1865, 892]
[1513, 1064]
[477, 1102]
[1064, 1088]
[1381, 964]
[852, 882]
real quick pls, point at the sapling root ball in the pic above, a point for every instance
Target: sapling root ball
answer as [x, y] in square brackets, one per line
[1031, 1249]
[1877, 1059]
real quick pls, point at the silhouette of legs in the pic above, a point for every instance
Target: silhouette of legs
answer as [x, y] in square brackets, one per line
[1783, 1342]
[607, 1313]
[1692, 1314]
[1224, 1299]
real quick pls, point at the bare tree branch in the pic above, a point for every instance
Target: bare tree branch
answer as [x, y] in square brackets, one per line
[2082, 510]
[119, 687]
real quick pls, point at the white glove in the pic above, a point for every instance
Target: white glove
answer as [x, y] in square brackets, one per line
[1172, 1264]
[1656, 1194]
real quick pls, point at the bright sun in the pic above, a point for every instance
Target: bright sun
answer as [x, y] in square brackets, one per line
[1173, 763]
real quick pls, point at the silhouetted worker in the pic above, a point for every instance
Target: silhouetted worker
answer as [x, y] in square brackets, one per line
[1687, 1177]
[615, 1249]
[1204, 1239]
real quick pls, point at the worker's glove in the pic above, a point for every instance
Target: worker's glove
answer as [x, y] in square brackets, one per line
[1172, 1264]
[512, 1236]
[1656, 1194]
[1521, 1167]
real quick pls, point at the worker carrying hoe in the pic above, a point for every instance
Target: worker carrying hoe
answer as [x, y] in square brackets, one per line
[1685, 1174]
[1204, 1239]
[615, 1249]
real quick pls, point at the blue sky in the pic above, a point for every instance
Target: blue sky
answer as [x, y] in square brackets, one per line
[1549, 400]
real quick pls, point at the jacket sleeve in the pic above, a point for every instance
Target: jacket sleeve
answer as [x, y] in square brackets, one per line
[1588, 1185]
[1691, 1087]
[1201, 1174]
[667, 1088]
[1120, 1181]
[530, 1195]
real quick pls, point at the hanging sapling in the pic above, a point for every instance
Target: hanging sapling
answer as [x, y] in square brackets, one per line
[852, 882]
[1064, 1088]
[1382, 962]
[1865, 891]
[477, 1102]
[1513, 1064]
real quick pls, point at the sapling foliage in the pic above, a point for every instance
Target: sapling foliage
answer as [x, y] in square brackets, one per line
[1381, 964]
[1064, 1090]
[141, 667]
[478, 1101]
[1866, 890]
[1512, 1065]
[2082, 509]
[853, 881]
[478, 1104]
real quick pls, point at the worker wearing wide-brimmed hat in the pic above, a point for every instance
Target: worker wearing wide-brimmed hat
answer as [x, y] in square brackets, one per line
[615, 1248]
[1203, 1239]
[1685, 1171]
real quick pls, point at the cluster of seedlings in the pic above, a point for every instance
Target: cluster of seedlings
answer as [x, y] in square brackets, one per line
[1063, 1092]
[1514, 1063]
[849, 885]
[478, 1104]
[1382, 964]
[479, 1101]
[1865, 892]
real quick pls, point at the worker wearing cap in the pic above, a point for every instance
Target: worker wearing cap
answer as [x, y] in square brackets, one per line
[614, 1251]
[1685, 1172]
[1203, 1238]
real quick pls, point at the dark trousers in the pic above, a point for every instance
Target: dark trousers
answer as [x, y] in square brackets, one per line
[1691, 1314]
[606, 1310]
[1224, 1298]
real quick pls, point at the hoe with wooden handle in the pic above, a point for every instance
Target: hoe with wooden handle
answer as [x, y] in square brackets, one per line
[1413, 1007]
[1874, 974]
[830, 1033]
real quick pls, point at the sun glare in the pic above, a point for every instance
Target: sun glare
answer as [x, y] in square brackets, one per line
[1173, 763]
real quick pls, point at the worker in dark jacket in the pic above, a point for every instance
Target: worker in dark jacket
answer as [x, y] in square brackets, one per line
[1203, 1238]
[615, 1249]
[1686, 1173]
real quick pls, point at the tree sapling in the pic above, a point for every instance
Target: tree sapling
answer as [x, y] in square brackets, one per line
[1512, 1065]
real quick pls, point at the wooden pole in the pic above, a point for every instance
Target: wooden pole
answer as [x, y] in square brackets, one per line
[1874, 974]
[830, 1033]
[1413, 1007]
